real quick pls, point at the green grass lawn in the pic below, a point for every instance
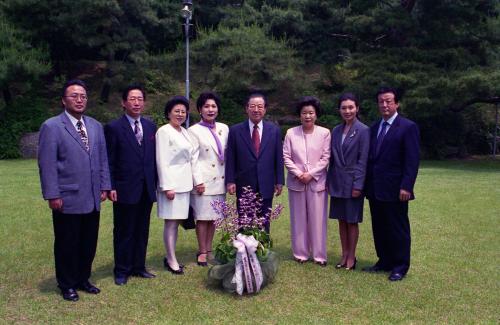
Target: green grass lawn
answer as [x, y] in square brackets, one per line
[454, 277]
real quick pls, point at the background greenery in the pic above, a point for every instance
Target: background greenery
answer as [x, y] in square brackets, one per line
[443, 55]
[453, 278]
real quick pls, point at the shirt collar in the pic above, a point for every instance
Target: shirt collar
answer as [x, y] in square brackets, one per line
[132, 120]
[391, 119]
[251, 124]
[73, 119]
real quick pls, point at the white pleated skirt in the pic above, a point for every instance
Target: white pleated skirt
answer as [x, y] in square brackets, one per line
[202, 207]
[176, 209]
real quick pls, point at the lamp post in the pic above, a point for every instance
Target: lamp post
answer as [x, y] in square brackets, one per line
[187, 13]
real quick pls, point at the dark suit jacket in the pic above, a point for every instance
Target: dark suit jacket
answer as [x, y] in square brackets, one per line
[131, 165]
[396, 165]
[347, 169]
[245, 168]
[67, 170]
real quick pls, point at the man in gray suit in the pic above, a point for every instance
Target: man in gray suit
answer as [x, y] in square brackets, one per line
[74, 175]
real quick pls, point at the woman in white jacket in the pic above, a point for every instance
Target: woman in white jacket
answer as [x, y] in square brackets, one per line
[174, 155]
[210, 140]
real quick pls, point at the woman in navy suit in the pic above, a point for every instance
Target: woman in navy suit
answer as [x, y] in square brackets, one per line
[346, 176]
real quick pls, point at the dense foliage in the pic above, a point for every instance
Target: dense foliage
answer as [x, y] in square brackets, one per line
[443, 55]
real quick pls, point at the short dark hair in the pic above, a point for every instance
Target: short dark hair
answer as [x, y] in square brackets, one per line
[384, 90]
[347, 96]
[73, 82]
[202, 99]
[174, 101]
[308, 101]
[134, 86]
[255, 94]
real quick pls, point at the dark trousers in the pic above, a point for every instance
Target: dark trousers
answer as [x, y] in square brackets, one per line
[391, 234]
[75, 243]
[130, 235]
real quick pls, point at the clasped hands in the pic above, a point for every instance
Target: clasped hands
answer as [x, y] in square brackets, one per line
[57, 204]
[231, 189]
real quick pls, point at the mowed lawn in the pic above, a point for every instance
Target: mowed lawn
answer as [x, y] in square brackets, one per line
[454, 277]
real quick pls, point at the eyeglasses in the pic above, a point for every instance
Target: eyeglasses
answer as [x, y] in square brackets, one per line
[253, 106]
[77, 96]
[386, 101]
[133, 99]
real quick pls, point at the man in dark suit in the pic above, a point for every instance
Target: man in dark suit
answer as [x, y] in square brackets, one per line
[132, 163]
[74, 177]
[392, 170]
[254, 155]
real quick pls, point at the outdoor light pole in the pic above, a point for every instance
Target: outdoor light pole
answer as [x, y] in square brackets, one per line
[187, 13]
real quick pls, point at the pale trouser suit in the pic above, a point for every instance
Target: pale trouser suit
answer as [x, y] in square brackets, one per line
[308, 203]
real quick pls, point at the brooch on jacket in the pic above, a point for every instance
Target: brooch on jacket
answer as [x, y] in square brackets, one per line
[353, 134]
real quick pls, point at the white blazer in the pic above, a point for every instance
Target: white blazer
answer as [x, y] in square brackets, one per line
[174, 156]
[207, 168]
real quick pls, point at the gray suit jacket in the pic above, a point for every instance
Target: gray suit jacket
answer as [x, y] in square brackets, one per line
[347, 169]
[67, 170]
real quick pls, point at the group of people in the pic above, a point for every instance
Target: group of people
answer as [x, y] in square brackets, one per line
[133, 164]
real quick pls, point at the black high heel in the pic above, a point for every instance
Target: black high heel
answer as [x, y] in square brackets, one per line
[353, 267]
[171, 270]
[340, 265]
[201, 263]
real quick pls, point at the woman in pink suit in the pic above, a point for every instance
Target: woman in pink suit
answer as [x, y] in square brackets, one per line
[306, 153]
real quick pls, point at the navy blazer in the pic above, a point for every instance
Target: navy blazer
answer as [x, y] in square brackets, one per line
[395, 166]
[245, 168]
[131, 165]
[67, 170]
[347, 169]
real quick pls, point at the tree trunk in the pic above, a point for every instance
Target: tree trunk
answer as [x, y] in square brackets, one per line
[7, 96]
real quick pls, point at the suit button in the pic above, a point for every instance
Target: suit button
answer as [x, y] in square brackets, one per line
[222, 164]
[222, 177]
[213, 165]
[206, 150]
[215, 178]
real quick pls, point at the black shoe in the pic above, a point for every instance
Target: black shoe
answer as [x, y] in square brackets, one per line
[200, 263]
[373, 269]
[320, 263]
[353, 267]
[89, 288]
[70, 294]
[144, 274]
[340, 265]
[396, 276]
[171, 270]
[299, 260]
[121, 280]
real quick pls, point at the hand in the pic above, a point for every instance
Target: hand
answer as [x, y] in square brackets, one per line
[200, 188]
[113, 196]
[404, 195]
[305, 178]
[355, 193]
[104, 195]
[231, 188]
[170, 195]
[56, 204]
[277, 189]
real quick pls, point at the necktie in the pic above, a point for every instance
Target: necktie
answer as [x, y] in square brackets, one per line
[256, 138]
[381, 136]
[83, 135]
[137, 132]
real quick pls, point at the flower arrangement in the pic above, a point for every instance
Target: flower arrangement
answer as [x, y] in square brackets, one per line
[245, 219]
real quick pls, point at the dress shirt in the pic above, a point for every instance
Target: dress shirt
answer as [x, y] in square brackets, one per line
[389, 123]
[74, 121]
[131, 121]
[260, 125]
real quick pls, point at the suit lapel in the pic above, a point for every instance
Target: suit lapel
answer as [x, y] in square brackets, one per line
[390, 134]
[350, 137]
[245, 134]
[266, 136]
[72, 131]
[337, 141]
[129, 134]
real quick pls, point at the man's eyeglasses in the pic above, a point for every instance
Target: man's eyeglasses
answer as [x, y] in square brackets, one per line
[133, 99]
[256, 106]
[77, 96]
